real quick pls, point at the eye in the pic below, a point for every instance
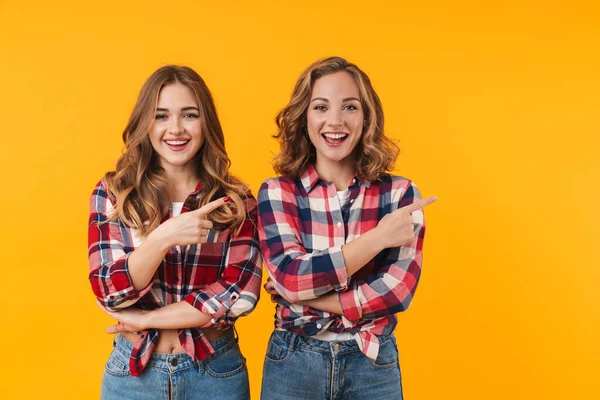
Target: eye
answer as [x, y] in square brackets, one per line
[190, 116]
[319, 108]
[160, 117]
[350, 107]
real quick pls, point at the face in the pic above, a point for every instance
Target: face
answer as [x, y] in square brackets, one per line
[176, 134]
[335, 117]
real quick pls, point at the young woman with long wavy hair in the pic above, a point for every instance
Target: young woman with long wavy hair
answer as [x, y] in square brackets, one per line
[342, 241]
[173, 249]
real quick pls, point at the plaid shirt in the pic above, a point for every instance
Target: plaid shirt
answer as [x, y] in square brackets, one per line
[221, 278]
[302, 229]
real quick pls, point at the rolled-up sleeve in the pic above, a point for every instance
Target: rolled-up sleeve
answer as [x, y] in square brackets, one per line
[108, 254]
[237, 290]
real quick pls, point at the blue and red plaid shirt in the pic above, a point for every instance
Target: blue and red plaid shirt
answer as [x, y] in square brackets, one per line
[221, 278]
[302, 229]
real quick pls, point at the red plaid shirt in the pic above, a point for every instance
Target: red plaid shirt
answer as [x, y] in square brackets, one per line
[221, 278]
[302, 228]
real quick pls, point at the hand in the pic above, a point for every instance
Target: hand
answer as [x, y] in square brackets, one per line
[191, 227]
[270, 288]
[396, 228]
[329, 303]
[130, 320]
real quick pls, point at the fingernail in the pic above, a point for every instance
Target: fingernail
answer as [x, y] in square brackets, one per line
[227, 199]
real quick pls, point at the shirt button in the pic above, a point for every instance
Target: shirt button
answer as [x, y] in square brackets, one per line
[354, 180]
[351, 200]
[318, 326]
[174, 362]
[339, 224]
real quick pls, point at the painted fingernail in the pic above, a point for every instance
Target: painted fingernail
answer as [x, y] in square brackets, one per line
[227, 199]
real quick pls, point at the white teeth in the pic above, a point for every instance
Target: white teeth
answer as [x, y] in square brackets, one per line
[176, 142]
[335, 135]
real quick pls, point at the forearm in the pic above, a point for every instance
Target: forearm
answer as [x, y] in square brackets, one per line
[329, 303]
[176, 316]
[144, 260]
[360, 251]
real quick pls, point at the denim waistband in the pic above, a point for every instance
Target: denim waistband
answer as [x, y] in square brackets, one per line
[337, 346]
[178, 361]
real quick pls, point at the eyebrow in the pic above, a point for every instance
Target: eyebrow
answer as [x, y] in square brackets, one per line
[344, 100]
[183, 109]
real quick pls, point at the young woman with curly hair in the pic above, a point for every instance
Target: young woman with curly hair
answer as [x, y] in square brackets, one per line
[342, 241]
[173, 249]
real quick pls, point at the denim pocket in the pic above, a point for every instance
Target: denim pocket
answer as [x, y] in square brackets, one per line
[117, 365]
[388, 355]
[279, 350]
[227, 364]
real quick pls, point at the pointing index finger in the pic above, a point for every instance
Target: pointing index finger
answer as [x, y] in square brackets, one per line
[213, 205]
[418, 204]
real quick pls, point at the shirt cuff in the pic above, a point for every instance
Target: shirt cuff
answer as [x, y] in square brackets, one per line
[215, 305]
[351, 304]
[122, 298]
[340, 280]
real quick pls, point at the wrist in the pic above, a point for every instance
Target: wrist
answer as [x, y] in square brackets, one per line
[146, 321]
[376, 239]
[159, 239]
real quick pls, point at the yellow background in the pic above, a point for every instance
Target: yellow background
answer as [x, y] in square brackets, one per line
[495, 104]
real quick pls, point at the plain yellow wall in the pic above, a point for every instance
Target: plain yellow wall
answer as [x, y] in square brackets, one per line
[495, 105]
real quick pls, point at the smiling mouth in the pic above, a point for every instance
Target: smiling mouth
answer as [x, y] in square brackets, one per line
[177, 145]
[334, 138]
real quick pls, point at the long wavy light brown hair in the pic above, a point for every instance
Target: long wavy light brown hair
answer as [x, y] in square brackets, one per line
[374, 154]
[139, 185]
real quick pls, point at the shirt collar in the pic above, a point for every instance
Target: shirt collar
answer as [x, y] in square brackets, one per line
[192, 196]
[197, 189]
[310, 178]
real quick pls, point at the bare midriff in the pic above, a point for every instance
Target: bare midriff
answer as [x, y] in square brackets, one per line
[168, 341]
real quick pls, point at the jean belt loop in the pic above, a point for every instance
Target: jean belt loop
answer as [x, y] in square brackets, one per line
[293, 341]
[201, 366]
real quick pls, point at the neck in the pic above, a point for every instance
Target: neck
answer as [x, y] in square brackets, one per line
[182, 180]
[338, 172]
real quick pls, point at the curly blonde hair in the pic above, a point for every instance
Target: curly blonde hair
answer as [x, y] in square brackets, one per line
[375, 154]
[138, 184]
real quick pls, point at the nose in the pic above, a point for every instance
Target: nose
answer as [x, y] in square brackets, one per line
[335, 118]
[175, 127]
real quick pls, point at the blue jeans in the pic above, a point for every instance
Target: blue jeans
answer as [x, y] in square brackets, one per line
[222, 375]
[299, 367]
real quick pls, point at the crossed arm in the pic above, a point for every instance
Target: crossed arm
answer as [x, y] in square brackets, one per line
[390, 291]
[120, 279]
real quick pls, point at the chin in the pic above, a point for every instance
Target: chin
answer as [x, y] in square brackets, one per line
[179, 162]
[337, 157]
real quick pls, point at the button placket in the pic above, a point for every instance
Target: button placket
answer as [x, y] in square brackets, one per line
[335, 210]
